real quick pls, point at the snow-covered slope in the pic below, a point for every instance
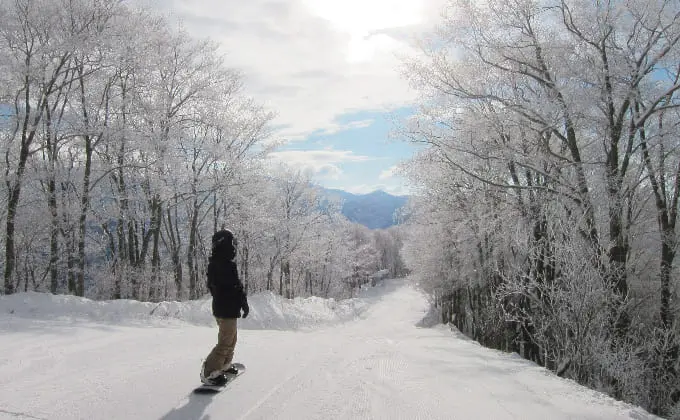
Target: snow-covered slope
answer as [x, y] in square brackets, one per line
[268, 311]
[378, 366]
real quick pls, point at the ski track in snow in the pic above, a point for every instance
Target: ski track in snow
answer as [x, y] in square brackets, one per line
[378, 367]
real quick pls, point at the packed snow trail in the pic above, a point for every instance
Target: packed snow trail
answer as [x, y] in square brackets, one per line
[379, 367]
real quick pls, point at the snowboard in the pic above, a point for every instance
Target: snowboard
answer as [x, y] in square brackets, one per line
[214, 389]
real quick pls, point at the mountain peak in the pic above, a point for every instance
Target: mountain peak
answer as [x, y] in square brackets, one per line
[374, 210]
[378, 192]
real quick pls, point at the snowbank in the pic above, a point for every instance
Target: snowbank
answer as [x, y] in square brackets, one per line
[267, 310]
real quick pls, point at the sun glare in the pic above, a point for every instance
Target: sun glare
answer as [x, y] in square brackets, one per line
[361, 18]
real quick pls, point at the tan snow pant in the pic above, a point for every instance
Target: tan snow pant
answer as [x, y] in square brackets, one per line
[222, 354]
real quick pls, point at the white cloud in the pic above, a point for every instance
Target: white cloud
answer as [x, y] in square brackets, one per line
[324, 164]
[336, 128]
[394, 189]
[313, 60]
[324, 156]
[327, 171]
[387, 173]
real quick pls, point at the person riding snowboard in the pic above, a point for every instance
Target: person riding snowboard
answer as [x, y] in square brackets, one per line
[228, 300]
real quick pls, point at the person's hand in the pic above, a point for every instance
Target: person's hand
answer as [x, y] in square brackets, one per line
[246, 309]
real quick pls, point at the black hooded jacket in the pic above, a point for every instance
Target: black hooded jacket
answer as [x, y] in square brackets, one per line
[229, 297]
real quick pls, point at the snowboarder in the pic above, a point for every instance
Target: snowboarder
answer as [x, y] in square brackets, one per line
[229, 299]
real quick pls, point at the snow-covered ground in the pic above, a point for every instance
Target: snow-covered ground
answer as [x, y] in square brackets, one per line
[366, 358]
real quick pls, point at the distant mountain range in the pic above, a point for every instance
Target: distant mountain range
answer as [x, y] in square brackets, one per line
[374, 210]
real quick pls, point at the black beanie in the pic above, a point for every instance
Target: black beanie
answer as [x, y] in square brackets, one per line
[223, 243]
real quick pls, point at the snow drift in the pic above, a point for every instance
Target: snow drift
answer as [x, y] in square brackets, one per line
[267, 310]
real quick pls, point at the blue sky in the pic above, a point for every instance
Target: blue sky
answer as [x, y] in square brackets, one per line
[360, 158]
[330, 69]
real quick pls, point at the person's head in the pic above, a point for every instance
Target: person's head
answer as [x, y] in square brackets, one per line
[224, 244]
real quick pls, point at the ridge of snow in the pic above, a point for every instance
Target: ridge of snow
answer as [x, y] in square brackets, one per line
[267, 310]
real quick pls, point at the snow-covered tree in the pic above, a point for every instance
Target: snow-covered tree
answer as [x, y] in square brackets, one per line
[128, 143]
[537, 181]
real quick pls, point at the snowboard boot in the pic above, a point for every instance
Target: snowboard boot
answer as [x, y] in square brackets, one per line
[216, 378]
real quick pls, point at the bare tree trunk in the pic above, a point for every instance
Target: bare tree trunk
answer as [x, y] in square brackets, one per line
[667, 257]
[191, 250]
[156, 215]
[270, 280]
[82, 221]
[287, 280]
[85, 192]
[14, 189]
[114, 253]
[667, 218]
[270, 272]
[54, 235]
[174, 244]
[246, 265]
[52, 206]
[281, 269]
[71, 264]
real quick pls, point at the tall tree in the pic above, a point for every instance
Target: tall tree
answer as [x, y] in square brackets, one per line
[40, 62]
